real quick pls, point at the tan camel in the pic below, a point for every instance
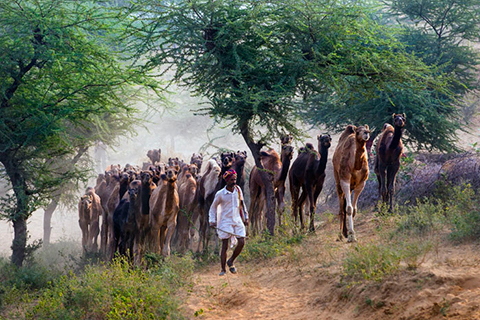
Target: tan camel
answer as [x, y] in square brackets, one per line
[89, 211]
[205, 193]
[164, 206]
[350, 167]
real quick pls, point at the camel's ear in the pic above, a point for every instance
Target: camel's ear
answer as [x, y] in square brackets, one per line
[366, 127]
[393, 115]
[404, 116]
[318, 137]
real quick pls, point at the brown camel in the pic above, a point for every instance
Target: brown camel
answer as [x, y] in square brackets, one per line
[387, 161]
[186, 193]
[205, 193]
[350, 167]
[308, 174]
[197, 159]
[89, 211]
[164, 206]
[154, 155]
[112, 179]
[279, 166]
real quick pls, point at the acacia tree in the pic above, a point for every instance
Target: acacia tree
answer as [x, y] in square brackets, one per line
[61, 85]
[437, 32]
[256, 61]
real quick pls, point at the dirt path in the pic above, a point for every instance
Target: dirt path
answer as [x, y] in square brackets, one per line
[306, 284]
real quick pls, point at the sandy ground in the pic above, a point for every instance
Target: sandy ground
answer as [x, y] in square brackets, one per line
[307, 284]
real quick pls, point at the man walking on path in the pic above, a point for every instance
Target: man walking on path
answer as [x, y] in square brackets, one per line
[229, 207]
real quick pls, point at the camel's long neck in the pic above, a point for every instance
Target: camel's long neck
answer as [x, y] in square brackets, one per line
[322, 164]
[282, 175]
[360, 155]
[171, 186]
[240, 170]
[146, 193]
[123, 188]
[397, 136]
[134, 206]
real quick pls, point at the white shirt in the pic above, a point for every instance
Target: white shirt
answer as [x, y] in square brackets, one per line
[226, 206]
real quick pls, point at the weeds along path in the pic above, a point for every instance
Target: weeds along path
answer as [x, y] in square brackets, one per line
[306, 283]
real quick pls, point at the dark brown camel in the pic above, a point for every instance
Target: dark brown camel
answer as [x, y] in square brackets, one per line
[279, 166]
[350, 168]
[308, 174]
[387, 161]
[239, 167]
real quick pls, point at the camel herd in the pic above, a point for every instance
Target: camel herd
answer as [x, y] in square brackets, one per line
[158, 206]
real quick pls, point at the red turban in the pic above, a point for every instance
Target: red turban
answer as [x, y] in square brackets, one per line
[228, 174]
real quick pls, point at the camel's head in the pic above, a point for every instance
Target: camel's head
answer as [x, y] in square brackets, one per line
[240, 157]
[193, 169]
[362, 133]
[146, 176]
[124, 178]
[86, 202]
[324, 140]
[399, 120]
[100, 178]
[154, 155]
[134, 189]
[171, 173]
[173, 161]
[197, 159]
[227, 159]
[286, 139]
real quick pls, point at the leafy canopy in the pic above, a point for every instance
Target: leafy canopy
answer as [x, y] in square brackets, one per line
[63, 86]
[262, 64]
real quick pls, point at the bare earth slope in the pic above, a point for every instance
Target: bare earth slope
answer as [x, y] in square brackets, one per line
[307, 283]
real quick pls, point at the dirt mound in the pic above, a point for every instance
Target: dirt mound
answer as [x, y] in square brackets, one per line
[309, 283]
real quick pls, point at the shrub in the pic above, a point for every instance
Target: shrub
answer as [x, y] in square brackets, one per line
[114, 291]
[371, 262]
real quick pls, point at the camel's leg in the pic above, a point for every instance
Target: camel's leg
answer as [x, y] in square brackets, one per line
[170, 229]
[103, 234]
[301, 203]
[94, 231]
[163, 234]
[316, 193]
[341, 212]
[356, 194]
[280, 195]
[294, 191]
[310, 192]
[345, 185]
[382, 181]
[391, 177]
[84, 227]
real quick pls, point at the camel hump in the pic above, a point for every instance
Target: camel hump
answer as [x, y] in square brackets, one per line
[387, 126]
[309, 146]
[350, 129]
[269, 153]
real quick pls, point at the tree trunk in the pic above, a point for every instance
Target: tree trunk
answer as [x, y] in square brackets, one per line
[47, 218]
[19, 241]
[267, 177]
[20, 212]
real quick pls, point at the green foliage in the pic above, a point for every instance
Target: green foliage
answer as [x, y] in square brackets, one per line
[371, 262]
[263, 246]
[63, 86]
[436, 32]
[114, 292]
